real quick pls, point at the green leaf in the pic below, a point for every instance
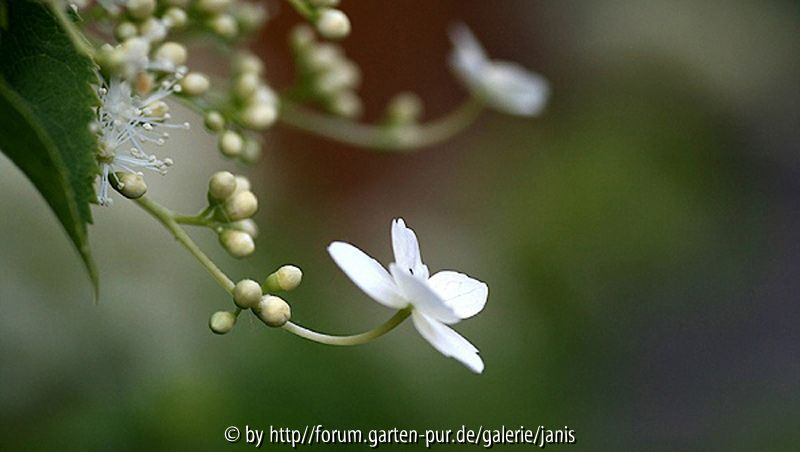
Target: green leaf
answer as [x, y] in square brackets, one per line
[46, 101]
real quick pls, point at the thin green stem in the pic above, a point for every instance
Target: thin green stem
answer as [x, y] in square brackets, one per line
[355, 339]
[396, 138]
[167, 218]
[302, 8]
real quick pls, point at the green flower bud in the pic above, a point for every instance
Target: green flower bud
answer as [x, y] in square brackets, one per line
[221, 186]
[247, 293]
[247, 226]
[259, 116]
[129, 185]
[237, 243]
[247, 63]
[273, 311]
[125, 30]
[284, 279]
[347, 104]
[172, 53]
[332, 23]
[176, 17]
[140, 9]
[224, 25]
[404, 108]
[214, 121]
[231, 143]
[222, 322]
[245, 85]
[243, 204]
[194, 84]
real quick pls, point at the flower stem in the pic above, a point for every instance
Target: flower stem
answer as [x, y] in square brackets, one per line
[302, 9]
[167, 218]
[395, 138]
[355, 339]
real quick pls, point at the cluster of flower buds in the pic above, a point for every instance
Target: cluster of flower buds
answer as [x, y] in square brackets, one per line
[325, 74]
[253, 107]
[249, 294]
[232, 205]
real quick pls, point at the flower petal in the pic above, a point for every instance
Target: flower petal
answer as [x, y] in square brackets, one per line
[447, 341]
[511, 88]
[406, 249]
[465, 295]
[422, 296]
[367, 274]
[468, 57]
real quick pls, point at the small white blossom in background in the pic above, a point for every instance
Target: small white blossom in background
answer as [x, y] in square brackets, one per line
[506, 86]
[436, 301]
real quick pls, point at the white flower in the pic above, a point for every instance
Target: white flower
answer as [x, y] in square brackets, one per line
[125, 123]
[436, 301]
[506, 86]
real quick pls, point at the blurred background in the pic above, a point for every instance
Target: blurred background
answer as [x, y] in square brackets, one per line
[640, 242]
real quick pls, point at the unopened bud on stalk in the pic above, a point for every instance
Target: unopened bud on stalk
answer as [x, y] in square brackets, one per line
[214, 121]
[129, 185]
[224, 25]
[176, 17]
[194, 84]
[172, 53]
[251, 152]
[273, 311]
[259, 116]
[140, 9]
[247, 226]
[247, 293]
[242, 184]
[347, 104]
[404, 108]
[222, 322]
[284, 279]
[247, 63]
[245, 85]
[231, 143]
[333, 23]
[221, 186]
[240, 206]
[237, 243]
[125, 30]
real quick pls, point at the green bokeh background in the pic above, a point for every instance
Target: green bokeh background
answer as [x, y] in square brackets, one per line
[639, 241]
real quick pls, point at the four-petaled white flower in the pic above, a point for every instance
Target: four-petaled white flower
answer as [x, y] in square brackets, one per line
[504, 85]
[435, 301]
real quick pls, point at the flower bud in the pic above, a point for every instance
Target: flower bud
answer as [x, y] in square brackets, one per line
[237, 243]
[221, 186]
[125, 30]
[129, 185]
[242, 184]
[213, 6]
[247, 226]
[250, 16]
[301, 37]
[245, 85]
[214, 121]
[323, 57]
[247, 293]
[404, 108]
[141, 9]
[224, 25]
[172, 53]
[333, 23]
[194, 84]
[231, 143]
[176, 17]
[347, 104]
[285, 279]
[247, 63]
[153, 30]
[222, 322]
[241, 205]
[259, 116]
[273, 311]
[251, 152]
